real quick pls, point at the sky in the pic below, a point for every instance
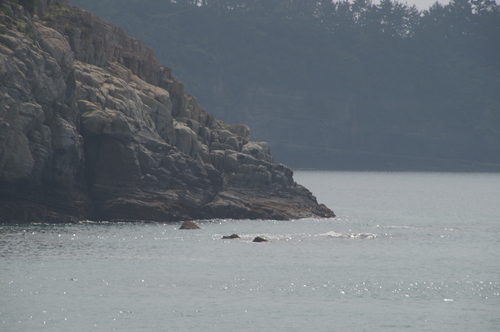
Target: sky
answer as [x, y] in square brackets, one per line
[422, 4]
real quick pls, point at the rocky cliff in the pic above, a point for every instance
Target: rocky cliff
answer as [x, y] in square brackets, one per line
[92, 127]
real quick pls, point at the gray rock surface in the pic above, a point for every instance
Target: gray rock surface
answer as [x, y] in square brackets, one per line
[189, 225]
[91, 127]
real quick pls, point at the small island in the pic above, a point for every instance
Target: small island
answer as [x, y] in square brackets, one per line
[93, 128]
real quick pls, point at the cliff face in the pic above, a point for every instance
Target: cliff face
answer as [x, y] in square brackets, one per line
[91, 127]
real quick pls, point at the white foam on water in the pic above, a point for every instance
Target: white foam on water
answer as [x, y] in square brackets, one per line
[350, 235]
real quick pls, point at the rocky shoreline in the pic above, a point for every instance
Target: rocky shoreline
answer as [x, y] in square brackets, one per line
[92, 127]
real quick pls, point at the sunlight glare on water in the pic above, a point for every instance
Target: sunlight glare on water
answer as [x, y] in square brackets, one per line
[408, 251]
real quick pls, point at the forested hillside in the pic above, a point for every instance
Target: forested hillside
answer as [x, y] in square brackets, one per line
[337, 85]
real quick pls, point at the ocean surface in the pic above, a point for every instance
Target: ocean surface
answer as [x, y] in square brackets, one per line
[407, 252]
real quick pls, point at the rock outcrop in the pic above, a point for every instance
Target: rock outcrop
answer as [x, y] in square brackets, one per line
[92, 127]
[189, 225]
[230, 237]
[259, 239]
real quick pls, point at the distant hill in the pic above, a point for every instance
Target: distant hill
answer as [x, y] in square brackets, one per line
[337, 85]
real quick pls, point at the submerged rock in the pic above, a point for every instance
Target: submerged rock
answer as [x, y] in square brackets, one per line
[92, 127]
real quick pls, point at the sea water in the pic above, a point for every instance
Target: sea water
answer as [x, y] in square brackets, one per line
[407, 252]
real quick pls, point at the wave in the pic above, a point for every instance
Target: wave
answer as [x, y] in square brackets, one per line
[350, 235]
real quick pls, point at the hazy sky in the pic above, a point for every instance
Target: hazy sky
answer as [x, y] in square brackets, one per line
[422, 4]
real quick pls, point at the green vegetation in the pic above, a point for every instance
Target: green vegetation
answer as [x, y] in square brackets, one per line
[5, 9]
[403, 67]
[56, 10]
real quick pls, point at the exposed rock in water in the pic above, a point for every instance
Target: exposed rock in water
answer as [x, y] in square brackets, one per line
[91, 127]
[259, 239]
[232, 236]
[189, 225]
